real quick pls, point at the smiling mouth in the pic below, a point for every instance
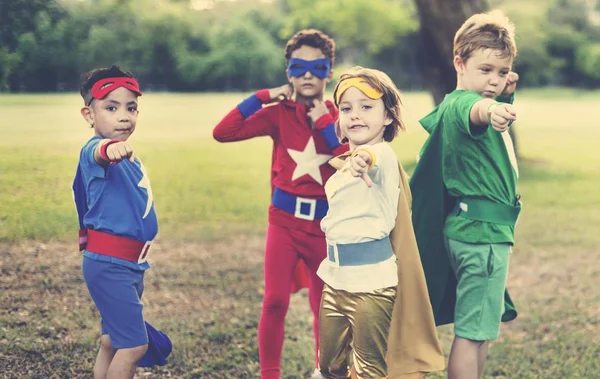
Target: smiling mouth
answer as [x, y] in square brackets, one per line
[356, 127]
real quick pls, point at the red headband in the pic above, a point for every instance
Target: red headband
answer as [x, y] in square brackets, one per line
[104, 86]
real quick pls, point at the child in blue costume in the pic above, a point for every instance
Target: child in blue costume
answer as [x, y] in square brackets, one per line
[116, 213]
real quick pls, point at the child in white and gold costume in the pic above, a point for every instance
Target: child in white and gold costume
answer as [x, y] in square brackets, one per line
[375, 304]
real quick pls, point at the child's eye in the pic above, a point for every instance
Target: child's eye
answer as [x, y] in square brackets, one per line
[486, 70]
[320, 67]
[111, 108]
[503, 74]
[132, 109]
[366, 107]
[296, 65]
[345, 109]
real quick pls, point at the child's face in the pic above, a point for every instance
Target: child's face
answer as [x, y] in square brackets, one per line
[308, 85]
[485, 72]
[362, 120]
[115, 116]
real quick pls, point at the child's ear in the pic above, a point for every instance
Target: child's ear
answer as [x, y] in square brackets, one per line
[86, 112]
[338, 131]
[388, 120]
[459, 65]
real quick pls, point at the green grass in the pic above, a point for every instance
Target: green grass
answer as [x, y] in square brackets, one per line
[206, 190]
[205, 286]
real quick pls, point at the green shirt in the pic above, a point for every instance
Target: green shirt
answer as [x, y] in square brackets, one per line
[476, 161]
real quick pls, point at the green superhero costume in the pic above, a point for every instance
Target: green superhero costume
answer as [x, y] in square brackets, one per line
[492, 211]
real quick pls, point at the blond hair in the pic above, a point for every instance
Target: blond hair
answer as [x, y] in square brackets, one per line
[391, 98]
[492, 30]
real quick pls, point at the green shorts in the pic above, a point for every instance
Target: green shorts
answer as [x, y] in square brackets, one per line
[481, 271]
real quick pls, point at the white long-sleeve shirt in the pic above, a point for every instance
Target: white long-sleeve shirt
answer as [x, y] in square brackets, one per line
[358, 214]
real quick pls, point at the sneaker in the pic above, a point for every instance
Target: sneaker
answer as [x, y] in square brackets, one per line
[316, 374]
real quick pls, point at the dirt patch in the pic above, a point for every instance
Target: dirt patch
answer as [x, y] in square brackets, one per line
[208, 296]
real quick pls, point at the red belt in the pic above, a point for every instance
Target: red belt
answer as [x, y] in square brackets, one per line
[114, 246]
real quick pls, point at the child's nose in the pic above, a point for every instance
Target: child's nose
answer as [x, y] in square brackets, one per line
[308, 74]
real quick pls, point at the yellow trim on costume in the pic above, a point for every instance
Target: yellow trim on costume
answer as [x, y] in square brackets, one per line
[361, 84]
[371, 155]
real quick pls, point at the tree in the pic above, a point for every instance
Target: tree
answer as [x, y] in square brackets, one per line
[440, 19]
[17, 18]
[362, 28]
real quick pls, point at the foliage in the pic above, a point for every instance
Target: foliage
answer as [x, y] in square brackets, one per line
[191, 45]
[365, 26]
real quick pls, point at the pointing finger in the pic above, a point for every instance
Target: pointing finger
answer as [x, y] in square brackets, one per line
[367, 179]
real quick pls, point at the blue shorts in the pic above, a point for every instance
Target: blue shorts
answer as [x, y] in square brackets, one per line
[116, 291]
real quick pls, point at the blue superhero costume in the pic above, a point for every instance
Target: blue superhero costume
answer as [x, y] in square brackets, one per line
[117, 200]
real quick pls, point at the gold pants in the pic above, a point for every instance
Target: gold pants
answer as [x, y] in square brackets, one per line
[358, 323]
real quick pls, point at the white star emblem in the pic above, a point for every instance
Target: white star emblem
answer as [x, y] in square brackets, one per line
[308, 161]
[145, 183]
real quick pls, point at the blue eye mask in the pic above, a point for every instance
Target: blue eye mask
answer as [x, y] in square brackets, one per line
[318, 67]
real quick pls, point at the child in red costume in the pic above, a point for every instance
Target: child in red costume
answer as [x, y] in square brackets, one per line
[303, 132]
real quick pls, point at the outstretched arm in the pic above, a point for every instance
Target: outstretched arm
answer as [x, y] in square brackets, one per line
[113, 151]
[361, 161]
[499, 114]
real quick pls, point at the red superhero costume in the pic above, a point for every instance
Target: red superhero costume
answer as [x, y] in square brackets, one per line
[295, 241]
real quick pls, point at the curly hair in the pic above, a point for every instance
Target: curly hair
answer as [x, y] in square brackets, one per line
[391, 98]
[90, 78]
[491, 30]
[313, 38]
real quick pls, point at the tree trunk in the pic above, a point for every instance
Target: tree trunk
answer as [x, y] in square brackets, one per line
[440, 20]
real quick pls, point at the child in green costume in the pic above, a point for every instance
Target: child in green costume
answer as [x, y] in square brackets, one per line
[465, 205]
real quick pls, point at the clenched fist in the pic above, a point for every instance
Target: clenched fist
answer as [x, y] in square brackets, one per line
[281, 93]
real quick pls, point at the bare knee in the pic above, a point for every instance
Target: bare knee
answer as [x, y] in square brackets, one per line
[472, 343]
[138, 351]
[106, 344]
[133, 354]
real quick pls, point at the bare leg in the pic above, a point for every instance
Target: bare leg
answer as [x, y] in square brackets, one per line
[125, 362]
[482, 357]
[464, 359]
[104, 357]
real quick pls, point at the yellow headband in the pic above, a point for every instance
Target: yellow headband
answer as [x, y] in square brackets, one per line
[361, 84]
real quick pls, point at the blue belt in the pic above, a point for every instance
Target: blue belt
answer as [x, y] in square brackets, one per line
[301, 207]
[358, 254]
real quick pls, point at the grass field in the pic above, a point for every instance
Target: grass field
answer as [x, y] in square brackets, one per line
[205, 286]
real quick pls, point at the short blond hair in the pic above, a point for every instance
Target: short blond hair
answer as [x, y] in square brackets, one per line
[492, 30]
[391, 98]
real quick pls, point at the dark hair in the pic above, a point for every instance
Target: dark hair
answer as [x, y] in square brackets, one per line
[90, 78]
[313, 38]
[391, 98]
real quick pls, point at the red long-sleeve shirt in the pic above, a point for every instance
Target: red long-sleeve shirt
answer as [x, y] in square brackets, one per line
[300, 153]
